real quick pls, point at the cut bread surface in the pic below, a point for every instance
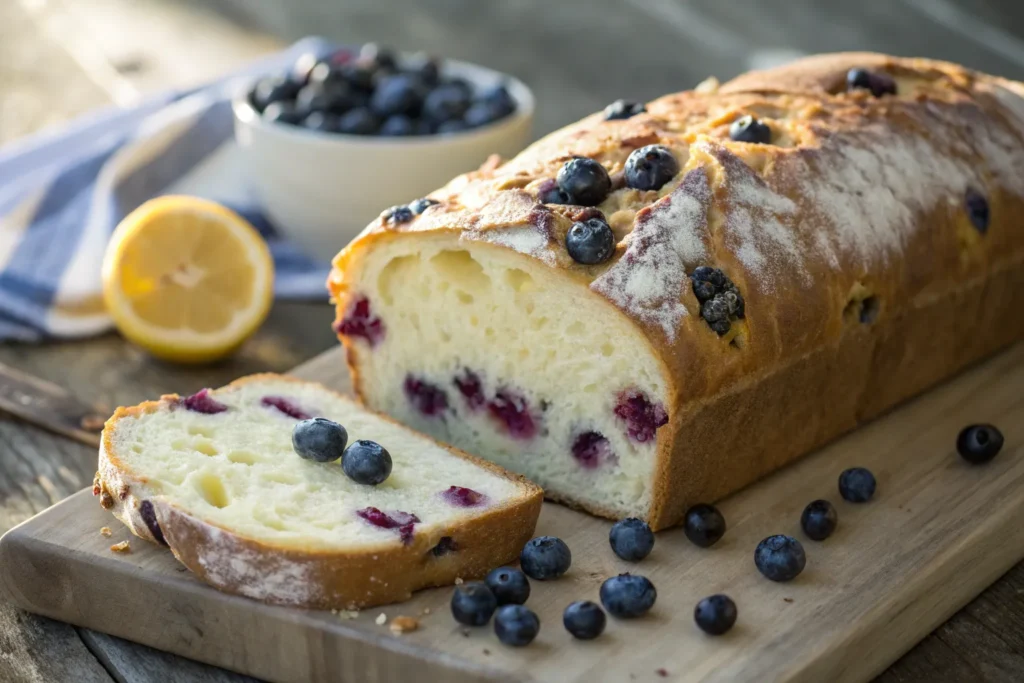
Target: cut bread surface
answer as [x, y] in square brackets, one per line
[216, 477]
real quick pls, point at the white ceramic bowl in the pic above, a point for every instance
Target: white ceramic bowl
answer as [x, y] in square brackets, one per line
[321, 189]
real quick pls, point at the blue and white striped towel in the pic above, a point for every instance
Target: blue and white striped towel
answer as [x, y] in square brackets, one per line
[62, 195]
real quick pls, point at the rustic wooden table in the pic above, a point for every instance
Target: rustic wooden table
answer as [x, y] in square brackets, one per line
[62, 57]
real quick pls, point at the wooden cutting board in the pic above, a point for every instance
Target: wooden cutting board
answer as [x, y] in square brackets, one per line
[938, 532]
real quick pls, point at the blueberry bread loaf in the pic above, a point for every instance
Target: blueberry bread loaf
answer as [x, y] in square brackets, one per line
[660, 304]
[214, 476]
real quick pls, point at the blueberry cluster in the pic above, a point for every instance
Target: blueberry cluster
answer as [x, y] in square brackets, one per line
[720, 300]
[373, 92]
[322, 440]
[403, 213]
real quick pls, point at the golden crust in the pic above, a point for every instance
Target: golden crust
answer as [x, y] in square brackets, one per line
[315, 578]
[857, 197]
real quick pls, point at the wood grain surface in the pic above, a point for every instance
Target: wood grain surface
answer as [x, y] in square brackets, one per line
[938, 532]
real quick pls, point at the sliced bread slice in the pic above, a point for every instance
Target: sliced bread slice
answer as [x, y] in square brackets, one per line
[214, 476]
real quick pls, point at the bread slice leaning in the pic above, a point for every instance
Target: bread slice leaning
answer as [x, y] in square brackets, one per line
[215, 478]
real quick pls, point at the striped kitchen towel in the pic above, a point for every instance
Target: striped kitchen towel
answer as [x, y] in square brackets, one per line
[63, 193]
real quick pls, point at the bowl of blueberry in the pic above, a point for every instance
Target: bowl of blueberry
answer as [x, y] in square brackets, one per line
[347, 132]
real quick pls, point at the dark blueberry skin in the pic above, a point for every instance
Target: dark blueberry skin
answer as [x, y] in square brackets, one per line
[509, 585]
[704, 525]
[445, 102]
[366, 462]
[381, 56]
[550, 193]
[284, 112]
[545, 557]
[584, 619]
[819, 520]
[418, 206]
[749, 129]
[426, 69]
[358, 121]
[590, 242]
[857, 485]
[780, 558]
[631, 539]
[398, 94]
[650, 167]
[336, 98]
[715, 614]
[398, 214]
[627, 596]
[398, 125]
[148, 515]
[516, 625]
[499, 99]
[978, 444]
[623, 109]
[319, 439]
[977, 210]
[273, 89]
[480, 114]
[473, 603]
[878, 84]
[584, 181]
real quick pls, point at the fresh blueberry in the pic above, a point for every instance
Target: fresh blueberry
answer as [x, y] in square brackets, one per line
[509, 585]
[319, 439]
[623, 109]
[650, 167]
[448, 101]
[979, 443]
[549, 192]
[336, 98]
[418, 206]
[628, 595]
[516, 625]
[328, 74]
[273, 89]
[715, 614]
[977, 210]
[358, 121]
[396, 215]
[780, 558]
[631, 539]
[473, 603]
[321, 121]
[451, 126]
[426, 69]
[397, 126]
[819, 520]
[857, 485]
[283, 112]
[499, 99]
[360, 74]
[545, 557]
[749, 129]
[366, 462]
[878, 84]
[584, 619]
[398, 94]
[381, 56]
[584, 181]
[704, 525]
[590, 242]
[480, 114]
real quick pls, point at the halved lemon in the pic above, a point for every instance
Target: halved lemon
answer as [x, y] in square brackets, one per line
[187, 279]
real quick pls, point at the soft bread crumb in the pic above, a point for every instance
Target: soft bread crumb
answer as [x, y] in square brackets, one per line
[105, 532]
[403, 624]
[381, 619]
[122, 547]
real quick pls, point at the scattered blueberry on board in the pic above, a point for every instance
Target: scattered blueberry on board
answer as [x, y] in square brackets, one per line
[319, 439]
[509, 585]
[584, 181]
[473, 603]
[980, 443]
[749, 129]
[366, 462]
[584, 619]
[631, 539]
[704, 525]
[650, 167]
[374, 92]
[516, 625]
[819, 520]
[857, 485]
[545, 557]
[590, 242]
[780, 558]
[628, 595]
[715, 614]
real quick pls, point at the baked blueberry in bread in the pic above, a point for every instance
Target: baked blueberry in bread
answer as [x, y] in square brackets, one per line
[215, 477]
[792, 253]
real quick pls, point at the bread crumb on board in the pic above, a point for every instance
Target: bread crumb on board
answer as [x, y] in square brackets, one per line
[122, 547]
[105, 532]
[345, 613]
[403, 624]
[381, 619]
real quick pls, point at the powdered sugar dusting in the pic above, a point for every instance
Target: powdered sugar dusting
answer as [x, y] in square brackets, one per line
[527, 240]
[649, 280]
[1011, 96]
